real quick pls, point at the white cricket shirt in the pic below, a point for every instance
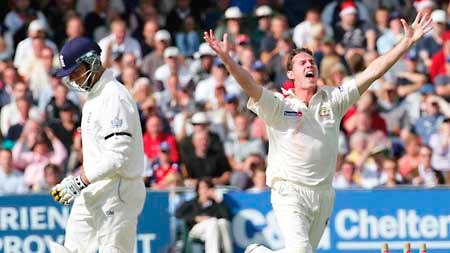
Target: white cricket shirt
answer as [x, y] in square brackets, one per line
[303, 140]
[111, 132]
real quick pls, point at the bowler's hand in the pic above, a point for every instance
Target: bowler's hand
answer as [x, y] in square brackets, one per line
[69, 188]
[222, 48]
[420, 26]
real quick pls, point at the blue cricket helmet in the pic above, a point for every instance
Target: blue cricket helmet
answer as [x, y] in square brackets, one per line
[72, 53]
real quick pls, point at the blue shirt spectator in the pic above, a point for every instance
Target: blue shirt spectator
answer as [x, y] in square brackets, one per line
[12, 180]
[428, 125]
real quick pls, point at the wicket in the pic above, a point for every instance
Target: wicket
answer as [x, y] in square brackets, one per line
[406, 248]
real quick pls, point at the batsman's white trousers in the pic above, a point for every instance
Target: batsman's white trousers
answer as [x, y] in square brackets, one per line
[105, 216]
[302, 213]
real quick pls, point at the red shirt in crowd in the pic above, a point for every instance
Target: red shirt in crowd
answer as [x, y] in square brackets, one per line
[151, 146]
[437, 65]
[438, 59]
[160, 173]
[378, 122]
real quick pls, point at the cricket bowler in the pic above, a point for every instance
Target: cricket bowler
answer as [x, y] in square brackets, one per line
[109, 194]
[303, 133]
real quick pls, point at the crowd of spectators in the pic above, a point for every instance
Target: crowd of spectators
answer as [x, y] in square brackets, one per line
[193, 113]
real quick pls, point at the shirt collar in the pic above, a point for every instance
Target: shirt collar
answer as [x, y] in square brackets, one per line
[106, 77]
[290, 93]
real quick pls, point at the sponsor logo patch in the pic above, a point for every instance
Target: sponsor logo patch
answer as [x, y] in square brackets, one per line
[292, 114]
[324, 111]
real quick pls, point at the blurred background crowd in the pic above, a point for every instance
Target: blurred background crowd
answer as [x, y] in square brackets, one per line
[194, 118]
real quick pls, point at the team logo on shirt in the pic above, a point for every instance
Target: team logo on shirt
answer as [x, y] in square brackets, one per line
[292, 114]
[116, 122]
[324, 111]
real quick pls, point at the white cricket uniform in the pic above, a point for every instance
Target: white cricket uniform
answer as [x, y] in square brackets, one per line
[105, 216]
[303, 148]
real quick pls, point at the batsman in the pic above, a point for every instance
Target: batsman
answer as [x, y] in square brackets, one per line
[109, 194]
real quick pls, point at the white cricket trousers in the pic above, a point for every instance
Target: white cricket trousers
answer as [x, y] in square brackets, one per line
[216, 233]
[105, 216]
[302, 213]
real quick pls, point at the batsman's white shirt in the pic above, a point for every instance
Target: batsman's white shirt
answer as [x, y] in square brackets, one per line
[304, 139]
[111, 132]
[105, 216]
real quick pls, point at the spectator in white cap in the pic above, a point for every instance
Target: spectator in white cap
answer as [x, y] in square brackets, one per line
[201, 67]
[173, 68]
[199, 122]
[232, 24]
[432, 43]
[37, 28]
[264, 15]
[263, 11]
[171, 52]
[156, 58]
[163, 35]
[204, 50]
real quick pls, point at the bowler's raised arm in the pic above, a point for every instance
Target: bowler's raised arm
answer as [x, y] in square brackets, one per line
[376, 69]
[244, 78]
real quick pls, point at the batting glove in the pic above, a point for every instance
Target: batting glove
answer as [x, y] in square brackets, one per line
[69, 188]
